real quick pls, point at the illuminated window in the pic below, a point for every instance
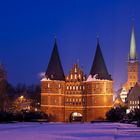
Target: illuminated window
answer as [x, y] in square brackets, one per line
[73, 87]
[48, 85]
[67, 78]
[67, 87]
[59, 86]
[83, 87]
[70, 87]
[75, 76]
[76, 87]
[71, 76]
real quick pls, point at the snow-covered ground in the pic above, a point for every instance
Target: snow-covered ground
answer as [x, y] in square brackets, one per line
[61, 131]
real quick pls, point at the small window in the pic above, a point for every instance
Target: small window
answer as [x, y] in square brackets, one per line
[48, 85]
[83, 87]
[67, 87]
[59, 86]
[73, 87]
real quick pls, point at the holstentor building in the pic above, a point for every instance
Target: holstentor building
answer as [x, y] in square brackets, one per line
[75, 96]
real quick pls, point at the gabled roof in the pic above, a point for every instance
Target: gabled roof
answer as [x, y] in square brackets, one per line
[55, 70]
[134, 93]
[99, 66]
[118, 102]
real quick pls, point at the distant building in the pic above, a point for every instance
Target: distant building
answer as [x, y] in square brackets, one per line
[75, 97]
[118, 102]
[133, 99]
[132, 73]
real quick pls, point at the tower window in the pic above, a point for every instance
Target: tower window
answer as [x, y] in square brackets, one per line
[59, 86]
[48, 85]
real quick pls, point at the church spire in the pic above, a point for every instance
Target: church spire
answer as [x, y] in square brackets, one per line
[55, 69]
[132, 54]
[99, 67]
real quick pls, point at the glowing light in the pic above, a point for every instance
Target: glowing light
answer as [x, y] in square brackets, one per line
[21, 97]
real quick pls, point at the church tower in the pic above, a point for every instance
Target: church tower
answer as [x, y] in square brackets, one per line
[132, 62]
[99, 88]
[52, 88]
[132, 71]
[99, 67]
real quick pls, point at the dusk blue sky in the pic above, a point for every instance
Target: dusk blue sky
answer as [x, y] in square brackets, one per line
[27, 29]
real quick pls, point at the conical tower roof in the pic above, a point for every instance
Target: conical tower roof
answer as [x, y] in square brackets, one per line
[55, 69]
[132, 54]
[99, 67]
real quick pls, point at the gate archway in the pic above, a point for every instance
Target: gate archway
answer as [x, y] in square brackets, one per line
[76, 117]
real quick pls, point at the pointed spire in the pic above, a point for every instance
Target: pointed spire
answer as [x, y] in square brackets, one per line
[132, 55]
[98, 67]
[55, 69]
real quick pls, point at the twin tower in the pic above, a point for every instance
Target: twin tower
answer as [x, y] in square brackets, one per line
[75, 97]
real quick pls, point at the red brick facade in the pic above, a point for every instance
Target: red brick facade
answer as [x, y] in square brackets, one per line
[60, 99]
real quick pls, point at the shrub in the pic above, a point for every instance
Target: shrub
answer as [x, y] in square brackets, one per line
[21, 116]
[116, 114]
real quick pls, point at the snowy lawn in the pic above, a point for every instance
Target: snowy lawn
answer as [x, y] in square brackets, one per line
[61, 131]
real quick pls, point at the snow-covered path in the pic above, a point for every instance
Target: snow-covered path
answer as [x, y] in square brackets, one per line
[61, 131]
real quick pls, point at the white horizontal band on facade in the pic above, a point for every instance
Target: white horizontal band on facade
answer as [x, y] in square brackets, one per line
[60, 106]
[57, 94]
